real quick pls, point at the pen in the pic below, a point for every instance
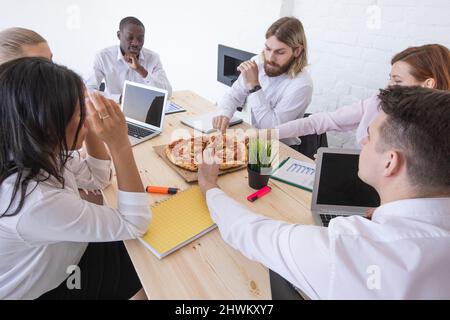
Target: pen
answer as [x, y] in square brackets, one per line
[259, 194]
[162, 190]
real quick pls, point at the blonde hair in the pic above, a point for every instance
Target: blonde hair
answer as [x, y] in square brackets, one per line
[290, 31]
[13, 40]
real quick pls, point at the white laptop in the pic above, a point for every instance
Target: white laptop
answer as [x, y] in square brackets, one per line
[204, 123]
[144, 109]
[338, 191]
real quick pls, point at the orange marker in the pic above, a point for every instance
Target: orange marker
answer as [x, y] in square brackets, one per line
[162, 190]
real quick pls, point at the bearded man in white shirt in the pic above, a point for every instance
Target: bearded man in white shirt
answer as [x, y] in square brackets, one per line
[128, 61]
[402, 252]
[276, 84]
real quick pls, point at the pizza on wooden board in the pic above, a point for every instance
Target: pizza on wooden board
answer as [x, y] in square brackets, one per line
[231, 150]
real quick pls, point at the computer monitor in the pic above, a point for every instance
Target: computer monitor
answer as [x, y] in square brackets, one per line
[229, 60]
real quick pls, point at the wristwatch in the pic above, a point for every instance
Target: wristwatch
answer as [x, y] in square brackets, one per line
[255, 89]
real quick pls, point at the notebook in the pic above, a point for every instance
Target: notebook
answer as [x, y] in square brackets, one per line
[296, 173]
[177, 222]
[173, 108]
[204, 123]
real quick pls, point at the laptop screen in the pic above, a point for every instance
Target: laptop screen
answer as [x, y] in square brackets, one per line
[340, 185]
[144, 105]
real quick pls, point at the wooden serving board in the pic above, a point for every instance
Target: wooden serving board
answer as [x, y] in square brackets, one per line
[187, 175]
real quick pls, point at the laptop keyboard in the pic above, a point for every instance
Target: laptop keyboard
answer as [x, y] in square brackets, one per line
[326, 218]
[139, 133]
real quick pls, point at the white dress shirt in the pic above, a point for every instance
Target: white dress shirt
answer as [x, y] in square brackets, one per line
[403, 253]
[110, 66]
[359, 115]
[281, 99]
[55, 225]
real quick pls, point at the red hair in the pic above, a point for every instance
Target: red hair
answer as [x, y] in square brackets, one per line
[428, 61]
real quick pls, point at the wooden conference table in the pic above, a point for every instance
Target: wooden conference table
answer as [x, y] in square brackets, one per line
[208, 268]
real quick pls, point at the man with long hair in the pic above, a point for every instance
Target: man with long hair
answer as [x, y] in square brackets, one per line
[276, 84]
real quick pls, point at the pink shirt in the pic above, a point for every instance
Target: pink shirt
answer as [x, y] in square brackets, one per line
[356, 116]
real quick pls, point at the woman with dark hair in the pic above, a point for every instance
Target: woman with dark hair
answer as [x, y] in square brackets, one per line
[47, 230]
[426, 66]
[18, 43]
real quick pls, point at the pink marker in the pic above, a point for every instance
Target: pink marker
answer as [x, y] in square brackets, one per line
[259, 194]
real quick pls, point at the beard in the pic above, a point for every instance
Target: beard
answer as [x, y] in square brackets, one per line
[275, 70]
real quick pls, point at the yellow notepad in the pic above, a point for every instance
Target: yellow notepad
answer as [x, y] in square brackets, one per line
[177, 222]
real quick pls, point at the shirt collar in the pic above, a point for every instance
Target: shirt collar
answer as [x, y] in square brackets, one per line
[121, 58]
[426, 209]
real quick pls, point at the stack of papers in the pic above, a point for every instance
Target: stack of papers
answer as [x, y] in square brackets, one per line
[296, 173]
[173, 108]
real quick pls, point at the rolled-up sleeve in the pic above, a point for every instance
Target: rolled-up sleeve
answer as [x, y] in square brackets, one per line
[157, 77]
[90, 173]
[234, 98]
[60, 215]
[343, 119]
[97, 74]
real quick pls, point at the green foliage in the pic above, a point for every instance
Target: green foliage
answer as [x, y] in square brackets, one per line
[260, 154]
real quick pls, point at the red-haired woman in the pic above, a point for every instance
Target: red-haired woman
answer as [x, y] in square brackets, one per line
[426, 66]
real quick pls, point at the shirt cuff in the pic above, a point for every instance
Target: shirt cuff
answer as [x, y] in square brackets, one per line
[217, 200]
[213, 192]
[227, 113]
[260, 97]
[286, 130]
[95, 163]
[133, 198]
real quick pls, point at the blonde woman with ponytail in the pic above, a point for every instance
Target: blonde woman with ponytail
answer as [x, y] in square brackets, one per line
[19, 43]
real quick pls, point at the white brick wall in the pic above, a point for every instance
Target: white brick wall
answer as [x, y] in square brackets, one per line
[350, 56]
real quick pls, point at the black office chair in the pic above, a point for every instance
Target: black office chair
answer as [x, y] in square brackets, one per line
[282, 289]
[311, 143]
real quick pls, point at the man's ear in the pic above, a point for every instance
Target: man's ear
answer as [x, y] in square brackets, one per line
[298, 51]
[394, 162]
[118, 34]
